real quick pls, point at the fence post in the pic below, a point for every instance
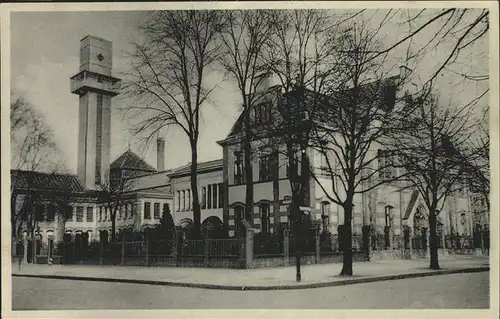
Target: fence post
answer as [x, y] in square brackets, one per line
[317, 245]
[49, 251]
[101, 251]
[286, 247]
[146, 235]
[249, 247]
[25, 250]
[206, 251]
[175, 248]
[123, 251]
[81, 250]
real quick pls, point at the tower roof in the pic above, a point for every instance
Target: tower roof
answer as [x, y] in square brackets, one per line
[130, 160]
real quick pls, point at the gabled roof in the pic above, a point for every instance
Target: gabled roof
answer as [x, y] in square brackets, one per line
[202, 167]
[381, 93]
[130, 160]
[46, 181]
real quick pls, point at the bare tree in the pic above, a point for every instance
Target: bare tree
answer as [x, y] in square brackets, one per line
[32, 149]
[167, 81]
[114, 195]
[32, 145]
[298, 54]
[244, 39]
[477, 159]
[358, 114]
[429, 152]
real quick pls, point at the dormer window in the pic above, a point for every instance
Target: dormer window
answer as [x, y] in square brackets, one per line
[262, 113]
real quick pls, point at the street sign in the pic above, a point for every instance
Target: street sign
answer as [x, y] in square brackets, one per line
[305, 208]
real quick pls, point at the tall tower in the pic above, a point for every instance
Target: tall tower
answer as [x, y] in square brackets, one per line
[95, 86]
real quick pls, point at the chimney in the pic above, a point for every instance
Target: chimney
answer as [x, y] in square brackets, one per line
[160, 154]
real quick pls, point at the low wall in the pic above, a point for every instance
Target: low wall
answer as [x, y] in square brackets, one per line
[270, 261]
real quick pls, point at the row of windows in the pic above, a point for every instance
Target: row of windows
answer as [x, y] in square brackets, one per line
[211, 197]
[262, 113]
[156, 210]
[387, 169]
[264, 212]
[267, 164]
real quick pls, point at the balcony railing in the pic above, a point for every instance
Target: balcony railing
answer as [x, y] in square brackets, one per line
[82, 82]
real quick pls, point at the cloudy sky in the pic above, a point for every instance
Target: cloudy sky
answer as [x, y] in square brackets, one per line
[45, 52]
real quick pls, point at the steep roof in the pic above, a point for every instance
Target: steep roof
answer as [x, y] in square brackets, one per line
[202, 167]
[130, 160]
[46, 181]
[150, 181]
[380, 93]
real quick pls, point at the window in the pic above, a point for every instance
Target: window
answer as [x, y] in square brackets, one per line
[90, 214]
[203, 197]
[262, 113]
[100, 214]
[183, 200]
[209, 197]
[221, 195]
[120, 208]
[157, 211]
[166, 208]
[463, 219]
[39, 212]
[264, 217]
[98, 144]
[214, 195]
[265, 167]
[323, 164]
[79, 214]
[126, 211]
[147, 210]
[188, 200]
[294, 163]
[238, 168]
[385, 165]
[51, 213]
[325, 215]
[178, 200]
[239, 216]
[388, 215]
[69, 213]
[99, 79]
[132, 211]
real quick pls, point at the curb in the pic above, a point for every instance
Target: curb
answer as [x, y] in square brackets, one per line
[255, 288]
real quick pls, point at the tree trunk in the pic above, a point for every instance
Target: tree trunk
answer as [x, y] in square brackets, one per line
[434, 262]
[247, 151]
[347, 253]
[194, 189]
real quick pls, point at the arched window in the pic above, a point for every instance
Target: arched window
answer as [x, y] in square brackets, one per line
[388, 215]
[264, 217]
[463, 219]
[239, 216]
[325, 215]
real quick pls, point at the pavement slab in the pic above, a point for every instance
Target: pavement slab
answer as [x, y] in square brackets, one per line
[313, 276]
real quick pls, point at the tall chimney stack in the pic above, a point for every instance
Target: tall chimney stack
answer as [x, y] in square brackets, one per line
[160, 154]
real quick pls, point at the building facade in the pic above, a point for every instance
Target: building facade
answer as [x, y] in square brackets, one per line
[221, 183]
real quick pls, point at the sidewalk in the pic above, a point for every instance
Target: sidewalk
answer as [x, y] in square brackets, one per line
[313, 276]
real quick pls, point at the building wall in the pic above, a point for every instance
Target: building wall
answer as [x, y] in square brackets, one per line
[182, 210]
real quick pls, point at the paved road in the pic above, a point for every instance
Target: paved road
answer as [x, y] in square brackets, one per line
[437, 292]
